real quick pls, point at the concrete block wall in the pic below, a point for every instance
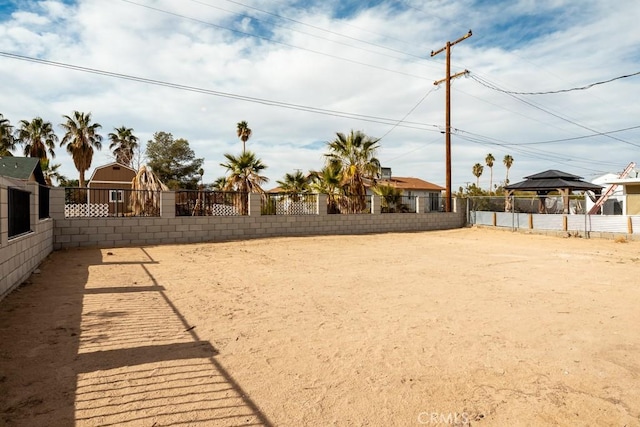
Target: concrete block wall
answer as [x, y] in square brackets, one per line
[20, 256]
[115, 232]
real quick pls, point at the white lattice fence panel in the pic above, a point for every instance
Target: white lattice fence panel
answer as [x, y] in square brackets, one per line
[287, 207]
[92, 210]
[223, 210]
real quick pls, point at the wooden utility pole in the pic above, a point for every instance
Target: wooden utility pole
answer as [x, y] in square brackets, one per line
[447, 79]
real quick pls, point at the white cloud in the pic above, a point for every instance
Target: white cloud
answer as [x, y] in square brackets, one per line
[375, 63]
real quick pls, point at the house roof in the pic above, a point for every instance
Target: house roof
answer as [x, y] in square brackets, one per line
[552, 180]
[22, 168]
[108, 165]
[408, 183]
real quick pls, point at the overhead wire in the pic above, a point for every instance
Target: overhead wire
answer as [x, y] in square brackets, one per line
[264, 101]
[509, 92]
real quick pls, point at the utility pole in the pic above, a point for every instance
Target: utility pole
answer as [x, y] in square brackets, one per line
[447, 79]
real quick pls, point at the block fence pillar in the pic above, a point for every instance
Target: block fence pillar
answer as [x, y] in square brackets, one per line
[322, 204]
[168, 204]
[255, 204]
[420, 204]
[376, 205]
[56, 203]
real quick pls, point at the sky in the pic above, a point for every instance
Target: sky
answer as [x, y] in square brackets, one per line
[298, 71]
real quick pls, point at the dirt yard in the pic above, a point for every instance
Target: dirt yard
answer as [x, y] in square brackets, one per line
[466, 327]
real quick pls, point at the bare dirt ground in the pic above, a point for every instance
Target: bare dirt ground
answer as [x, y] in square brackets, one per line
[462, 327]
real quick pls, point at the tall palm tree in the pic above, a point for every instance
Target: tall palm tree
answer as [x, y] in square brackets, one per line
[294, 183]
[508, 161]
[37, 137]
[244, 173]
[244, 133]
[7, 142]
[81, 137]
[489, 161]
[354, 154]
[123, 144]
[327, 181]
[477, 172]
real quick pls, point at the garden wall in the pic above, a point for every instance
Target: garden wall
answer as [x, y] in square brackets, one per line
[167, 229]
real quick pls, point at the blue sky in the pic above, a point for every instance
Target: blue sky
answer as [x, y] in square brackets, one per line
[338, 66]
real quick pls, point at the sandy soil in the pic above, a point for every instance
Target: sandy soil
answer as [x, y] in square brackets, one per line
[463, 327]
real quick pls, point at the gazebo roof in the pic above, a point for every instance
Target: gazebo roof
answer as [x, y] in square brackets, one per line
[554, 180]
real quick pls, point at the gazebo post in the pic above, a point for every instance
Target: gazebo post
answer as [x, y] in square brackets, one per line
[508, 207]
[564, 192]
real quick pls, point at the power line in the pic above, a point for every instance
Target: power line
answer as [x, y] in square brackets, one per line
[407, 115]
[264, 101]
[573, 122]
[490, 86]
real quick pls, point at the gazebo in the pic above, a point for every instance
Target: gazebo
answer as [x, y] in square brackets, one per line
[545, 182]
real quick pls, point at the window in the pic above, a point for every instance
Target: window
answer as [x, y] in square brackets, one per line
[115, 196]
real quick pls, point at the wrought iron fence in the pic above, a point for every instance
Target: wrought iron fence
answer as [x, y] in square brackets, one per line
[19, 212]
[349, 204]
[289, 204]
[110, 202]
[398, 204]
[43, 202]
[211, 203]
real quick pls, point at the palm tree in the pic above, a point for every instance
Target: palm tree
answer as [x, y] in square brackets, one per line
[327, 181]
[508, 161]
[294, 183]
[244, 133]
[123, 144]
[37, 137]
[354, 155]
[50, 172]
[489, 161]
[220, 183]
[7, 142]
[145, 199]
[244, 173]
[391, 198]
[477, 172]
[81, 136]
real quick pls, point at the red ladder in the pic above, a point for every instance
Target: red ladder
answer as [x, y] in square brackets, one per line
[603, 198]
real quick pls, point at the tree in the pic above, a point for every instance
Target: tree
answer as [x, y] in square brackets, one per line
[7, 142]
[508, 161]
[244, 173]
[173, 161]
[123, 144]
[244, 133]
[327, 181]
[294, 183]
[477, 172]
[391, 198]
[354, 155]
[145, 199]
[50, 172]
[37, 138]
[81, 137]
[489, 161]
[220, 183]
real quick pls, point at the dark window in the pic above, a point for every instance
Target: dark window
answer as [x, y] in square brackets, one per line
[19, 214]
